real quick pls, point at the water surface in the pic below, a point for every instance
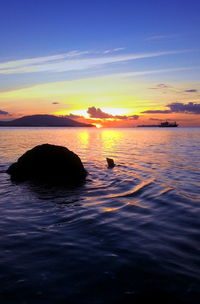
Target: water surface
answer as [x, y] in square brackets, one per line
[128, 234]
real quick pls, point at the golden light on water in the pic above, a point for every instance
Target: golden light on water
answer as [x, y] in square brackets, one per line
[84, 138]
[110, 209]
[110, 139]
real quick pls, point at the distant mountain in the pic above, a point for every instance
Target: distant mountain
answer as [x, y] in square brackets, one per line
[43, 121]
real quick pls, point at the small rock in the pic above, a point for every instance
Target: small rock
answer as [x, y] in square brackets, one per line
[110, 162]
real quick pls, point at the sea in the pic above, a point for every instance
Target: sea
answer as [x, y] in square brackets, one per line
[130, 234]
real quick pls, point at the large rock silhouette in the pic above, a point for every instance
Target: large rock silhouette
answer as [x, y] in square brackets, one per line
[49, 164]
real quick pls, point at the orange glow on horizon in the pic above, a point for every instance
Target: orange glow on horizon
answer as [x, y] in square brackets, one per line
[116, 96]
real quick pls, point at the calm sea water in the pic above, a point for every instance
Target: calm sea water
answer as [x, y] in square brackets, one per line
[128, 235]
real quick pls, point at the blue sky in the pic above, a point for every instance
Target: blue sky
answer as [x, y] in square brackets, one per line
[35, 28]
[43, 28]
[70, 40]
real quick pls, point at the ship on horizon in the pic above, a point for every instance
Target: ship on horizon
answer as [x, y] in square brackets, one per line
[167, 124]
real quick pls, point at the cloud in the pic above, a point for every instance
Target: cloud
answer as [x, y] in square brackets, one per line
[43, 59]
[5, 113]
[134, 117]
[158, 71]
[163, 85]
[157, 119]
[72, 61]
[178, 107]
[98, 113]
[190, 107]
[160, 86]
[55, 103]
[113, 50]
[157, 111]
[191, 91]
[125, 117]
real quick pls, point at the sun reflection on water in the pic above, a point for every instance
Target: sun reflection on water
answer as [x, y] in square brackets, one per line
[84, 138]
[110, 139]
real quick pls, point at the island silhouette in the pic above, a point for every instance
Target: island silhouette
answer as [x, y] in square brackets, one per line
[43, 120]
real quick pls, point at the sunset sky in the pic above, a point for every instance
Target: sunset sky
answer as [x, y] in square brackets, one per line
[111, 63]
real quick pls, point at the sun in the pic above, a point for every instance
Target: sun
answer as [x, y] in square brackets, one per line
[97, 125]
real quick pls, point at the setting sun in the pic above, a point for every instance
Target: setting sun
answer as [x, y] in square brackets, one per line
[97, 125]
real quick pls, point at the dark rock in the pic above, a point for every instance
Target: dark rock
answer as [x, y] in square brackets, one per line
[49, 164]
[110, 162]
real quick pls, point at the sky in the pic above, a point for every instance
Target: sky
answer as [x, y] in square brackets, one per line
[111, 63]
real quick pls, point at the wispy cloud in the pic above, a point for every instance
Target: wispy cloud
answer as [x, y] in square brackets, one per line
[157, 112]
[43, 59]
[113, 50]
[73, 61]
[158, 71]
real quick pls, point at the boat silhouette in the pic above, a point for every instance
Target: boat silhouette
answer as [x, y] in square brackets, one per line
[167, 124]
